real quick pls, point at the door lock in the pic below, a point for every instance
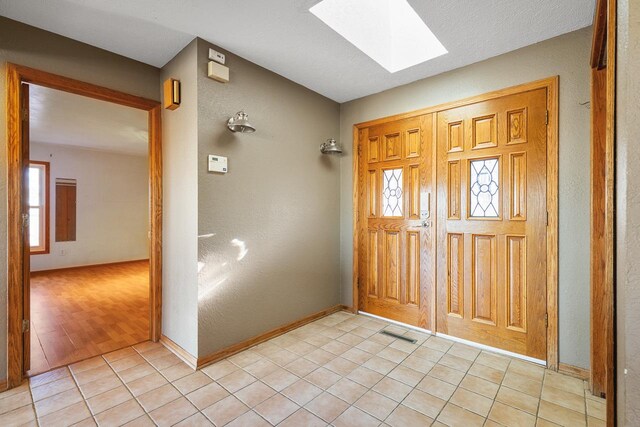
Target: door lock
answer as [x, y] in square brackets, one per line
[426, 223]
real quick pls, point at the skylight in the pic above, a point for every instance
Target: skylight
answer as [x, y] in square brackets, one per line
[389, 31]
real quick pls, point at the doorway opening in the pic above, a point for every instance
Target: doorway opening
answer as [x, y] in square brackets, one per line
[84, 221]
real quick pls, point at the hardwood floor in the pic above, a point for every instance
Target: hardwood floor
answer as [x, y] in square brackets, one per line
[84, 312]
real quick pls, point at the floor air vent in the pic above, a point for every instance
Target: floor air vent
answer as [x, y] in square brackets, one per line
[400, 337]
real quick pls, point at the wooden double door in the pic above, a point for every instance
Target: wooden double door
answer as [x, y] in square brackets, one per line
[452, 221]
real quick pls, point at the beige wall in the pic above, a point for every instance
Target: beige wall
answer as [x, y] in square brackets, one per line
[112, 209]
[628, 213]
[566, 56]
[25, 45]
[180, 205]
[279, 202]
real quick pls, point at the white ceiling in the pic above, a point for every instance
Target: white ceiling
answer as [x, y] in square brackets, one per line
[62, 118]
[283, 36]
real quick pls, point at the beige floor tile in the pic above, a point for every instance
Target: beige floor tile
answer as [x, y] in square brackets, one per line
[93, 374]
[354, 417]
[393, 389]
[509, 416]
[370, 347]
[192, 382]
[255, 393]
[87, 422]
[418, 364]
[225, 410]
[127, 362]
[147, 346]
[48, 377]
[393, 355]
[119, 354]
[480, 386]
[327, 406]
[380, 365]
[352, 339]
[302, 417]
[341, 366]
[486, 372]
[18, 417]
[596, 408]
[121, 414]
[14, 401]
[57, 401]
[564, 398]
[261, 368]
[424, 402]
[236, 381]
[561, 415]
[518, 400]
[455, 362]
[535, 372]
[66, 416]
[177, 371]
[595, 422]
[85, 365]
[146, 383]
[523, 384]
[276, 408]
[54, 387]
[404, 416]
[302, 392]
[437, 343]
[429, 354]
[406, 375]
[219, 369]
[165, 362]
[245, 358]
[323, 378]
[493, 360]
[320, 356]
[456, 416]
[108, 400]
[173, 412]
[156, 398]
[156, 353]
[347, 390]
[471, 401]
[249, 419]
[100, 385]
[436, 387]
[464, 351]
[445, 373]
[283, 357]
[301, 348]
[280, 379]
[143, 421]
[376, 404]
[365, 376]
[137, 372]
[300, 367]
[564, 382]
[207, 395]
[404, 346]
[195, 420]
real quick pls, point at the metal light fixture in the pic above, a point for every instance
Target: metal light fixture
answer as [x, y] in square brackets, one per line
[240, 123]
[331, 147]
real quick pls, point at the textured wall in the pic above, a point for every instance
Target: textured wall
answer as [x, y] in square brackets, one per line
[567, 56]
[269, 228]
[180, 205]
[628, 212]
[25, 45]
[112, 209]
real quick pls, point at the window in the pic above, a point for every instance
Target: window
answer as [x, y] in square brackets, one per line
[392, 192]
[39, 207]
[484, 187]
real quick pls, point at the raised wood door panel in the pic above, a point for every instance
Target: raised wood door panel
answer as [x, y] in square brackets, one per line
[395, 250]
[491, 261]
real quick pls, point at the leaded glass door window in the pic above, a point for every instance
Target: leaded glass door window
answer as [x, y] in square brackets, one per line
[484, 188]
[392, 192]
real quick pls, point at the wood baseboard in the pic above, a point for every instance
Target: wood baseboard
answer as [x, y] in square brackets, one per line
[574, 371]
[3, 384]
[236, 348]
[79, 267]
[183, 354]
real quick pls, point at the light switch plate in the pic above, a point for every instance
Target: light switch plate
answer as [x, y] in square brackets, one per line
[217, 164]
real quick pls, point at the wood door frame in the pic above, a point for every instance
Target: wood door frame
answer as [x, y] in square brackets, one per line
[551, 84]
[16, 75]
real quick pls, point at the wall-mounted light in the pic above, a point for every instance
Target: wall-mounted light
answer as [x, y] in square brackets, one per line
[331, 147]
[171, 94]
[240, 123]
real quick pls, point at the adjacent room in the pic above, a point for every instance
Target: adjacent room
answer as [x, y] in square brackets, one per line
[88, 225]
[319, 213]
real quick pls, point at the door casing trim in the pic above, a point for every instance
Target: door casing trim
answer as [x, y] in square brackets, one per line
[551, 84]
[16, 75]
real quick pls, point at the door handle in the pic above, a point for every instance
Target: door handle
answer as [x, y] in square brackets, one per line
[426, 223]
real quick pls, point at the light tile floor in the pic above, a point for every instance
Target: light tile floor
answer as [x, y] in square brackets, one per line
[336, 371]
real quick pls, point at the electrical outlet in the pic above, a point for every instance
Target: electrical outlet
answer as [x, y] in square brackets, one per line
[63, 252]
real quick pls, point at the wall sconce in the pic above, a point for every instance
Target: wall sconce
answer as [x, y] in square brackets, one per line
[331, 147]
[171, 94]
[240, 123]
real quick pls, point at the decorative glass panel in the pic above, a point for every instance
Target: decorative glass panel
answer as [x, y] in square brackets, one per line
[392, 192]
[484, 185]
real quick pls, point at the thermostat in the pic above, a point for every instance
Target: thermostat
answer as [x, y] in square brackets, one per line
[217, 164]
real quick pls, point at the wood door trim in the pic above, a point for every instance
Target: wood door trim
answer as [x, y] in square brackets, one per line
[551, 84]
[16, 75]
